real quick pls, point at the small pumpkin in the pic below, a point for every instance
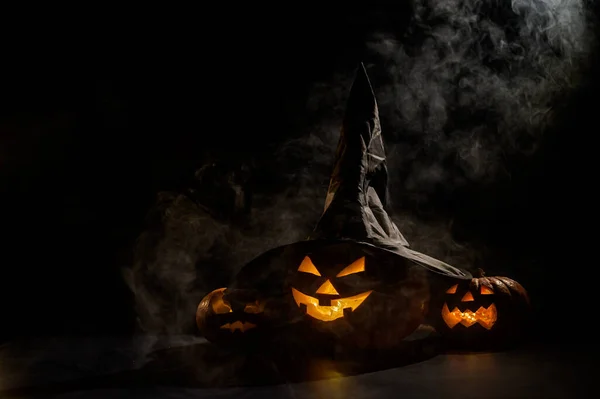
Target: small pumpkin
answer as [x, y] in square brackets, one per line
[229, 316]
[483, 312]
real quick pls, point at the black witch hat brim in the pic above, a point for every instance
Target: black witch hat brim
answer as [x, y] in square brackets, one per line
[273, 261]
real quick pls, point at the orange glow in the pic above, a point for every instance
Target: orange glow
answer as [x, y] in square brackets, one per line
[327, 288]
[485, 317]
[256, 307]
[355, 267]
[452, 290]
[238, 325]
[328, 313]
[468, 297]
[486, 291]
[217, 303]
[308, 267]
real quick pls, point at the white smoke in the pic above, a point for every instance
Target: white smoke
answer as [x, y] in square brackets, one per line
[470, 82]
[479, 84]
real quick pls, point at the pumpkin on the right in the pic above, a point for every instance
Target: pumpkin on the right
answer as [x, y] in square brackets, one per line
[482, 313]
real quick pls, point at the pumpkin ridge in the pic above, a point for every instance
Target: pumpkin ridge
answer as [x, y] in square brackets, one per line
[503, 288]
[516, 288]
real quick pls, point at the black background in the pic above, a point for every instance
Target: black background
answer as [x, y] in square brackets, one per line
[99, 113]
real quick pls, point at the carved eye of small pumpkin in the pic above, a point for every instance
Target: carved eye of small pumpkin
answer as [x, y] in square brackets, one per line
[452, 290]
[468, 297]
[307, 266]
[253, 308]
[220, 306]
[355, 267]
[486, 291]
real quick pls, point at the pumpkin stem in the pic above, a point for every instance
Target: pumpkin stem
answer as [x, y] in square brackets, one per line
[479, 273]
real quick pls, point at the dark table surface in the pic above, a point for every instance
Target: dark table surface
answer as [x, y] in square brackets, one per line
[182, 367]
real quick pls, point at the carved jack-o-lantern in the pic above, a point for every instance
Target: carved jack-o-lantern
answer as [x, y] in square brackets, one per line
[225, 315]
[485, 316]
[485, 311]
[329, 305]
[354, 280]
[359, 295]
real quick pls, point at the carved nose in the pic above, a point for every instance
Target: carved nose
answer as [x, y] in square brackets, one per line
[468, 297]
[327, 288]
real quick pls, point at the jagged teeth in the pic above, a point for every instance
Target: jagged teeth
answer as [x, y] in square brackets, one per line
[238, 325]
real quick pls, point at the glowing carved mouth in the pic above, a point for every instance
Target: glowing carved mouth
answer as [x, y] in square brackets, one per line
[238, 325]
[328, 313]
[485, 317]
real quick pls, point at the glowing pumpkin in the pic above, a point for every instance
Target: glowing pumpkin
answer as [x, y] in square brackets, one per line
[483, 312]
[335, 305]
[354, 280]
[360, 296]
[229, 315]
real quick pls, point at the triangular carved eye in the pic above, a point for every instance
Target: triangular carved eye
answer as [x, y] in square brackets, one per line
[452, 290]
[218, 304]
[468, 297]
[327, 288]
[308, 267]
[254, 307]
[355, 267]
[486, 291]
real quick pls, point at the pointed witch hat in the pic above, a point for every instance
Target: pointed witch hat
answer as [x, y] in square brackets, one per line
[354, 206]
